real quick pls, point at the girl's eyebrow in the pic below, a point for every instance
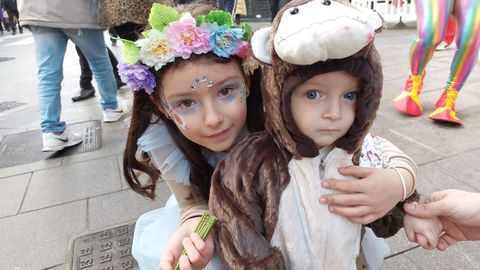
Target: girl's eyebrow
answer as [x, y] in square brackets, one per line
[188, 91]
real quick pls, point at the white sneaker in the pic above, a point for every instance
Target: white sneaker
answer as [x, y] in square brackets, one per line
[444, 46]
[112, 115]
[52, 142]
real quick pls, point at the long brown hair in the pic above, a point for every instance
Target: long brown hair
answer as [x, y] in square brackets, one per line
[145, 113]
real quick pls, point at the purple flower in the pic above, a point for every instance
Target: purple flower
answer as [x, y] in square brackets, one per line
[137, 76]
[225, 41]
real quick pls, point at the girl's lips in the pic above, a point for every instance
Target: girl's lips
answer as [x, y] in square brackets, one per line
[219, 134]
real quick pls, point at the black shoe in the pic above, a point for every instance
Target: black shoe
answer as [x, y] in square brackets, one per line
[84, 94]
[120, 84]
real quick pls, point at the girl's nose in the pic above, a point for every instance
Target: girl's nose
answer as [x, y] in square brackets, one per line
[332, 110]
[213, 116]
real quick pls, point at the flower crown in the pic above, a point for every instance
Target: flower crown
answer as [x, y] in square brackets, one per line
[180, 35]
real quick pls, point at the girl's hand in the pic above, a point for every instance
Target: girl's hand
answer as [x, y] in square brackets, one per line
[425, 231]
[199, 251]
[367, 199]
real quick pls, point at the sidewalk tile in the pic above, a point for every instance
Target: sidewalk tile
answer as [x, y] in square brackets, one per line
[38, 239]
[12, 190]
[123, 206]
[399, 262]
[72, 182]
[462, 255]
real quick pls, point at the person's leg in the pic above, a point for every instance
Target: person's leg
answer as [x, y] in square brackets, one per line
[274, 6]
[91, 43]
[17, 16]
[432, 18]
[85, 72]
[465, 58]
[229, 5]
[451, 29]
[50, 44]
[86, 88]
[114, 62]
[11, 21]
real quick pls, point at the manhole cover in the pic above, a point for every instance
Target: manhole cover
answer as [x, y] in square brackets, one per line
[22, 148]
[9, 105]
[5, 59]
[107, 249]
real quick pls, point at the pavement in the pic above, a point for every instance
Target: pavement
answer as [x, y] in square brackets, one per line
[45, 204]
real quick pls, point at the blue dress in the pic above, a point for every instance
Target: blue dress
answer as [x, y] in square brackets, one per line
[154, 229]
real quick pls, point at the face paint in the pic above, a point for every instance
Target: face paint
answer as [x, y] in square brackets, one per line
[179, 121]
[199, 80]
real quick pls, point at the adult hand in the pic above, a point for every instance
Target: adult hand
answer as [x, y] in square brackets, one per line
[367, 199]
[459, 212]
[199, 251]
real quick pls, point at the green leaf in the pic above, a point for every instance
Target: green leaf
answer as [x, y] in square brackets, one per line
[247, 30]
[161, 15]
[220, 17]
[130, 52]
[200, 20]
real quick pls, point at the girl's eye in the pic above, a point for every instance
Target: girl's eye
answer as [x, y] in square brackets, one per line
[312, 94]
[185, 104]
[350, 95]
[225, 91]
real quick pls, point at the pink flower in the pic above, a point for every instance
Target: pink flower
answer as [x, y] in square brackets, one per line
[243, 51]
[186, 38]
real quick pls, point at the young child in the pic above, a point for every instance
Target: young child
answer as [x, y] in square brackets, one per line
[193, 77]
[322, 91]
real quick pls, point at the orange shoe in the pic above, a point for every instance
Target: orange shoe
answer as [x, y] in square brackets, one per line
[408, 102]
[445, 108]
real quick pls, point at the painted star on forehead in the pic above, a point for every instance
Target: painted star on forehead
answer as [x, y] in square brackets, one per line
[199, 80]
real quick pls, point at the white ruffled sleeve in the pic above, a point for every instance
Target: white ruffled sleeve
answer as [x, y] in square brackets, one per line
[165, 154]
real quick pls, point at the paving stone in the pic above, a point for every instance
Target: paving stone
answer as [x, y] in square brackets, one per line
[463, 168]
[123, 206]
[38, 239]
[419, 152]
[462, 255]
[400, 262]
[442, 138]
[72, 182]
[30, 167]
[12, 190]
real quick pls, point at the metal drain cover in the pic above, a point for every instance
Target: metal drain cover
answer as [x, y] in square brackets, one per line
[5, 59]
[9, 105]
[26, 147]
[107, 249]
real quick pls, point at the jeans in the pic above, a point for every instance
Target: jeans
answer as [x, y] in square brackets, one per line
[226, 5]
[50, 46]
[86, 73]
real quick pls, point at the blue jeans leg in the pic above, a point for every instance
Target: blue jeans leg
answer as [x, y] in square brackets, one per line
[50, 44]
[92, 44]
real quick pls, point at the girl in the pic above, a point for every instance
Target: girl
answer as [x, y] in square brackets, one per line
[196, 110]
[323, 88]
[183, 131]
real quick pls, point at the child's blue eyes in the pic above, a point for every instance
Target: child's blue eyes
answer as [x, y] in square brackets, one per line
[312, 94]
[350, 96]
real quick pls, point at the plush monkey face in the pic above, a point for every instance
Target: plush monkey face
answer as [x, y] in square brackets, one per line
[316, 31]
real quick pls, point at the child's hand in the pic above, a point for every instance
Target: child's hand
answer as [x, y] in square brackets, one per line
[199, 251]
[364, 200]
[425, 231]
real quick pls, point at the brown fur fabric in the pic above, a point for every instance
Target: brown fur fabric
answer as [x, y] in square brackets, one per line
[244, 195]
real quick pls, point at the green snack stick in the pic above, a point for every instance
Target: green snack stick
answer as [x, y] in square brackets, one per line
[202, 229]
